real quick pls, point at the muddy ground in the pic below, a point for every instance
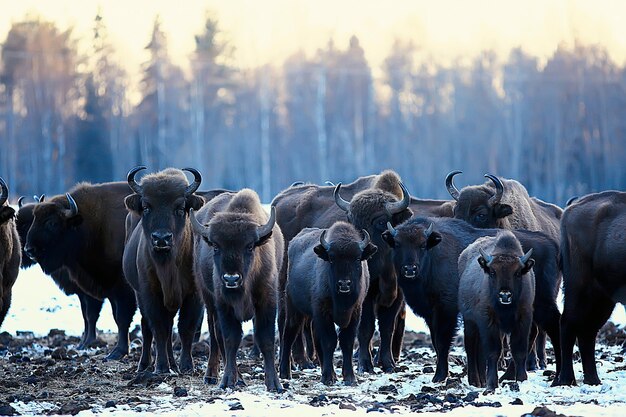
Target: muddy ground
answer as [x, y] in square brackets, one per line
[46, 375]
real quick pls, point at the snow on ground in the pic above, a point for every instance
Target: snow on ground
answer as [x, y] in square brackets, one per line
[38, 305]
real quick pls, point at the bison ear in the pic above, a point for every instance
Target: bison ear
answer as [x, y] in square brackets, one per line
[369, 250]
[433, 240]
[321, 252]
[133, 203]
[401, 217]
[502, 210]
[194, 201]
[6, 214]
[483, 264]
[528, 266]
[388, 237]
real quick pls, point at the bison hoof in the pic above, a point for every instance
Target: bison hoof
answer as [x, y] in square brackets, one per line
[563, 382]
[275, 386]
[594, 380]
[489, 391]
[440, 377]
[329, 380]
[306, 364]
[210, 380]
[350, 381]
[116, 354]
[366, 367]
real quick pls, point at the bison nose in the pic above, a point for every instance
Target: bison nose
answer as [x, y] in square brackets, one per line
[30, 252]
[505, 297]
[232, 280]
[162, 239]
[344, 286]
[409, 271]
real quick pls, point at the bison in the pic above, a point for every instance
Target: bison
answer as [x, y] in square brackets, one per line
[505, 204]
[90, 306]
[237, 258]
[10, 254]
[158, 263]
[425, 254]
[327, 282]
[496, 295]
[593, 256]
[83, 232]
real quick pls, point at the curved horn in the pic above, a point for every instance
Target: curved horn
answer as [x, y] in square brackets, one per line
[343, 204]
[197, 179]
[398, 206]
[523, 259]
[20, 201]
[39, 199]
[4, 196]
[428, 231]
[329, 183]
[392, 230]
[295, 184]
[454, 192]
[487, 258]
[499, 189]
[130, 177]
[196, 226]
[73, 211]
[323, 241]
[366, 240]
[571, 200]
[266, 229]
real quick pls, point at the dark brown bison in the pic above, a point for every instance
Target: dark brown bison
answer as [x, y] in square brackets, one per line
[496, 295]
[327, 282]
[505, 204]
[10, 253]
[238, 255]
[90, 307]
[158, 263]
[83, 232]
[426, 252]
[593, 256]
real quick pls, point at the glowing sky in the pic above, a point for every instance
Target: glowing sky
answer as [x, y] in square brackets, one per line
[270, 30]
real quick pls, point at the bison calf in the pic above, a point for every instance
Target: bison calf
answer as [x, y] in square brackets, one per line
[330, 289]
[496, 295]
[237, 262]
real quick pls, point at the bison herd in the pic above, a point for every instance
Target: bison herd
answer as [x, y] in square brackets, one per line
[329, 263]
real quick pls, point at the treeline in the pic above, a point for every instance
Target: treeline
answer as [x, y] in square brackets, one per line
[65, 116]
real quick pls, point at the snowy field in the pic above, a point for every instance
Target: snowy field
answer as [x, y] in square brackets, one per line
[38, 306]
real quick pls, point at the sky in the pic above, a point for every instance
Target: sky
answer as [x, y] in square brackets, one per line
[267, 31]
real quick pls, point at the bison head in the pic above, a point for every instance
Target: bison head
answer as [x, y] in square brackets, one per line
[54, 232]
[411, 243]
[345, 253]
[235, 237]
[479, 205]
[163, 200]
[505, 273]
[6, 212]
[23, 221]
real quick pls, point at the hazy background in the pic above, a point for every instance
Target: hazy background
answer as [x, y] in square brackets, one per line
[264, 93]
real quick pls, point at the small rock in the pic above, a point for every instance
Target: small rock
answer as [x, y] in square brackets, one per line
[73, 408]
[388, 389]
[56, 332]
[549, 373]
[347, 406]
[517, 401]
[5, 338]
[453, 383]
[318, 400]
[181, 392]
[7, 410]
[471, 396]
[236, 405]
[110, 404]
[428, 370]
[451, 398]
[513, 385]
[25, 398]
[60, 354]
[428, 389]
[25, 334]
[543, 412]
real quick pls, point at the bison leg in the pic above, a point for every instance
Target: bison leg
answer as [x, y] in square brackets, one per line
[326, 340]
[531, 363]
[492, 344]
[548, 317]
[602, 308]
[91, 308]
[346, 342]
[265, 334]
[291, 330]
[169, 346]
[124, 305]
[146, 347]
[191, 313]
[519, 348]
[442, 331]
[387, 317]
[198, 333]
[398, 334]
[216, 347]
[5, 302]
[540, 347]
[471, 339]
[232, 333]
[366, 332]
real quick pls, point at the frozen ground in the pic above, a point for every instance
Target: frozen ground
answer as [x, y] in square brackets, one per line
[39, 306]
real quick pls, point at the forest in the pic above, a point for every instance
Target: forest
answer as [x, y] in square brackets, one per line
[71, 114]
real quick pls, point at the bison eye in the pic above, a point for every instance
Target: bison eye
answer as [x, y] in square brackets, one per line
[180, 212]
[216, 249]
[145, 209]
[250, 247]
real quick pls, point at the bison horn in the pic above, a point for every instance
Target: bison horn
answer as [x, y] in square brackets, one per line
[197, 179]
[323, 241]
[454, 192]
[571, 200]
[428, 231]
[131, 179]
[499, 189]
[366, 240]
[487, 258]
[73, 211]
[523, 259]
[398, 206]
[4, 196]
[196, 226]
[266, 229]
[295, 184]
[329, 183]
[20, 201]
[392, 230]
[40, 199]
[343, 204]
